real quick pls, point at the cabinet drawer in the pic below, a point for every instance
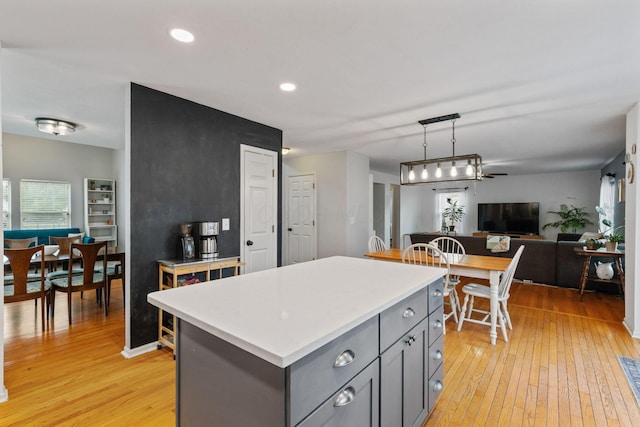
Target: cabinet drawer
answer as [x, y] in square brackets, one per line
[435, 295]
[435, 387]
[315, 377]
[355, 404]
[436, 355]
[436, 325]
[406, 314]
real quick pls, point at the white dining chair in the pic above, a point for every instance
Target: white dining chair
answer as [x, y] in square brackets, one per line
[428, 254]
[376, 244]
[454, 251]
[473, 290]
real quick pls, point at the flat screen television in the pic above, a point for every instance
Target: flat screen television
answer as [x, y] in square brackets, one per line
[509, 218]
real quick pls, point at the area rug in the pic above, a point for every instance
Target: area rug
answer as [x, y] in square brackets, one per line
[631, 368]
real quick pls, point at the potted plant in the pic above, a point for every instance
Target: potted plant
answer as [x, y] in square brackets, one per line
[92, 185]
[453, 212]
[571, 218]
[612, 235]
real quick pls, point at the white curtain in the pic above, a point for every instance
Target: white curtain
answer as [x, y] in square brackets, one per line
[441, 203]
[607, 199]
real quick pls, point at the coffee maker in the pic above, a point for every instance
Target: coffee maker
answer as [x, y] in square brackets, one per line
[208, 232]
[188, 245]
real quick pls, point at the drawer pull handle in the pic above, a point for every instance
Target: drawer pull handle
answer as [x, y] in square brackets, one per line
[437, 355]
[437, 386]
[437, 324]
[345, 397]
[437, 293]
[408, 313]
[410, 340]
[344, 359]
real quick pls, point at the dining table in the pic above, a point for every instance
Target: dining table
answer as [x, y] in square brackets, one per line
[467, 265]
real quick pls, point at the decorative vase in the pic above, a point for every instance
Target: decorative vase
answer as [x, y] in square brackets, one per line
[611, 246]
[604, 270]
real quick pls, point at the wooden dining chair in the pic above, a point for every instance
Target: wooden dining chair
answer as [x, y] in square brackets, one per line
[21, 243]
[473, 290]
[21, 285]
[92, 276]
[428, 254]
[376, 244]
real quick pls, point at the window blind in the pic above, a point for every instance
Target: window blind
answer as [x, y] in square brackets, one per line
[45, 204]
[6, 204]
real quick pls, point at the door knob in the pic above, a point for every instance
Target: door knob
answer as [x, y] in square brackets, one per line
[249, 243]
[290, 229]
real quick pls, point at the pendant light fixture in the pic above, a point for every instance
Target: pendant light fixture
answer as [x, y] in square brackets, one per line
[431, 169]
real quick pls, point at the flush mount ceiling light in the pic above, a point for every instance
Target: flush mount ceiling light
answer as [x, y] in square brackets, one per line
[431, 170]
[181, 35]
[287, 87]
[55, 126]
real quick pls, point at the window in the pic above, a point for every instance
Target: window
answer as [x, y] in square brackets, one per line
[441, 205]
[45, 204]
[607, 200]
[6, 204]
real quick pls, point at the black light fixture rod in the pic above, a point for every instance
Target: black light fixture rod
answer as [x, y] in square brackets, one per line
[453, 116]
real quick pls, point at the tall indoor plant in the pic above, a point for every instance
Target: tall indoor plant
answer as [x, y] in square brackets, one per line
[571, 218]
[453, 212]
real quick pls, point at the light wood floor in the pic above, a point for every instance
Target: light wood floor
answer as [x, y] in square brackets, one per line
[558, 369]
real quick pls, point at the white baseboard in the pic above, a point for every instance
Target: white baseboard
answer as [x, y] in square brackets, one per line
[128, 353]
[4, 394]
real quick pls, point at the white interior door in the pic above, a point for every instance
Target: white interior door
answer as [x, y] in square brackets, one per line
[301, 221]
[258, 210]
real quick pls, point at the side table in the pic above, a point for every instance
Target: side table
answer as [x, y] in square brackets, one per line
[600, 253]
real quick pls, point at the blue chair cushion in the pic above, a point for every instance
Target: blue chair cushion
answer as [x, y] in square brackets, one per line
[62, 273]
[32, 287]
[31, 277]
[77, 280]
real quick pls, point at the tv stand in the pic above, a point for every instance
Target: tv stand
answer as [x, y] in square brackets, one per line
[518, 236]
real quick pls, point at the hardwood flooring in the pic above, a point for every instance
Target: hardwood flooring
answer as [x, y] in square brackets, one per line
[559, 367]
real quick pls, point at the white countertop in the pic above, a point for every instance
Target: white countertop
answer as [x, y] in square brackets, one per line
[283, 314]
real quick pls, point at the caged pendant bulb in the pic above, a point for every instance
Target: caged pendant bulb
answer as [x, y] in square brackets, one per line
[469, 170]
[412, 174]
[425, 174]
[438, 171]
[454, 170]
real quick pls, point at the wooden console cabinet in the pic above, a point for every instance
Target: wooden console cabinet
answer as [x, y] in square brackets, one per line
[516, 236]
[169, 275]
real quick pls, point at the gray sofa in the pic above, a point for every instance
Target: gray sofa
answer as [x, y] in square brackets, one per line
[543, 261]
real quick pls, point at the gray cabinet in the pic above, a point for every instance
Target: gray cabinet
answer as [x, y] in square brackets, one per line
[355, 404]
[410, 381]
[403, 378]
[387, 371]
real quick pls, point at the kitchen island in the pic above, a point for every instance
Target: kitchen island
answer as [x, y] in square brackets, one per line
[339, 340]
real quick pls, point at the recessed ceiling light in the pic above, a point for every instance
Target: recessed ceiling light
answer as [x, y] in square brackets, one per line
[181, 35]
[287, 87]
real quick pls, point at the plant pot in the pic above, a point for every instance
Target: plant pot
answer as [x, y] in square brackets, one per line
[452, 228]
[591, 244]
[611, 246]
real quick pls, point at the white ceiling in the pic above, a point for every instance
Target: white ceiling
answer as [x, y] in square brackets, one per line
[540, 85]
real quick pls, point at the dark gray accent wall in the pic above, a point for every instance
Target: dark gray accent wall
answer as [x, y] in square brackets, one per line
[185, 168]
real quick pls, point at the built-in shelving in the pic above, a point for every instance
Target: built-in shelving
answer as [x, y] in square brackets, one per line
[100, 210]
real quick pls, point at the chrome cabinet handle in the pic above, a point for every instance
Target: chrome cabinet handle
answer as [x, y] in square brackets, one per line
[437, 293]
[437, 324]
[410, 340]
[437, 355]
[408, 313]
[344, 359]
[345, 397]
[437, 386]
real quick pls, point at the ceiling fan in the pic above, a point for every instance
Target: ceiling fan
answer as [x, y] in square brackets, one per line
[493, 175]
